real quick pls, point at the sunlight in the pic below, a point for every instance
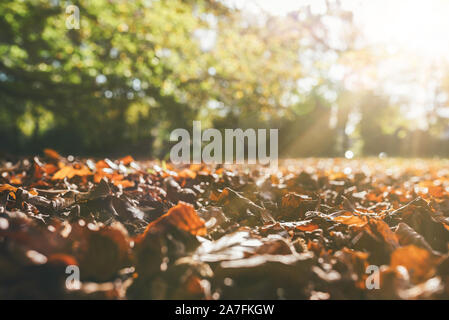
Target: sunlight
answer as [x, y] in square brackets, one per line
[409, 34]
[414, 25]
[411, 25]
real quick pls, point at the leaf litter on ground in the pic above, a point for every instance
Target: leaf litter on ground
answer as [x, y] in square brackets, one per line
[309, 229]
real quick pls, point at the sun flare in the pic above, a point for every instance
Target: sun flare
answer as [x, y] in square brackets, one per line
[414, 25]
[419, 26]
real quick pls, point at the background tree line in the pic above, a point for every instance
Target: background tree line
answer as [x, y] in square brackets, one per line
[136, 70]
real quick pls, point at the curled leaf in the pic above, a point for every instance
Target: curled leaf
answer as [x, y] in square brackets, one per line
[183, 216]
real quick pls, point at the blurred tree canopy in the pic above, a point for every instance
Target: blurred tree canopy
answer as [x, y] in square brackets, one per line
[135, 70]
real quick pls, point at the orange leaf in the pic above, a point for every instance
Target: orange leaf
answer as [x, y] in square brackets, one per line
[69, 172]
[187, 173]
[308, 227]
[223, 195]
[351, 220]
[193, 285]
[16, 179]
[52, 154]
[213, 197]
[50, 168]
[127, 160]
[7, 187]
[380, 228]
[184, 217]
[436, 191]
[419, 262]
[101, 164]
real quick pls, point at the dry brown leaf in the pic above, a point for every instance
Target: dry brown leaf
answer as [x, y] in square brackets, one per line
[184, 217]
[419, 262]
[69, 172]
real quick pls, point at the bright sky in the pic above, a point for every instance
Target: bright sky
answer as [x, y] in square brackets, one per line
[418, 25]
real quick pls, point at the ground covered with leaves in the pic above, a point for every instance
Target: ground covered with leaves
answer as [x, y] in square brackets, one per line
[309, 229]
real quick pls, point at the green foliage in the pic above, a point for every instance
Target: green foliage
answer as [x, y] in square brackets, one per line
[107, 83]
[135, 70]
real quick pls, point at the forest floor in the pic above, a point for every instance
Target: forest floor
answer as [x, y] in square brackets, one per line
[309, 229]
